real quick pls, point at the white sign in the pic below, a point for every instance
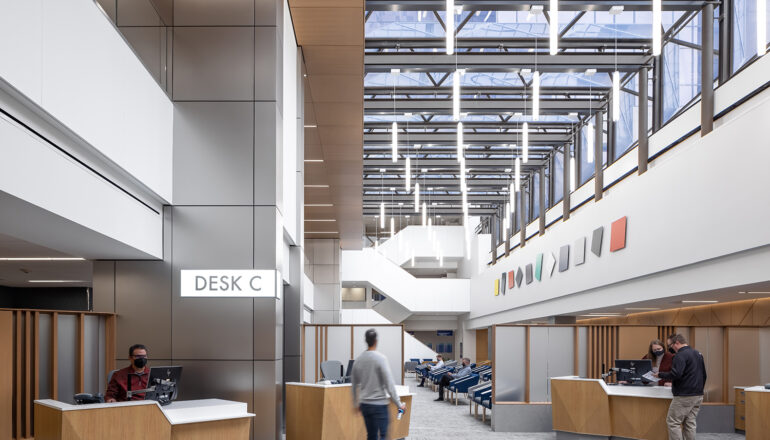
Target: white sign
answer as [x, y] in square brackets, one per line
[231, 283]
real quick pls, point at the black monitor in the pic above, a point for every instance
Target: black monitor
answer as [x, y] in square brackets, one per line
[164, 384]
[350, 368]
[631, 371]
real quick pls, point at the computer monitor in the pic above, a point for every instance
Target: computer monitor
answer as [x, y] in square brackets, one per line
[632, 370]
[165, 380]
[350, 368]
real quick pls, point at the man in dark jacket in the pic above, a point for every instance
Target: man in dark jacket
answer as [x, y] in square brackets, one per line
[687, 377]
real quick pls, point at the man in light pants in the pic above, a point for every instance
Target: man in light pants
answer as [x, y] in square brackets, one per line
[688, 377]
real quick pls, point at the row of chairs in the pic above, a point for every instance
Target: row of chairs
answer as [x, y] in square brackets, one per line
[477, 386]
[463, 384]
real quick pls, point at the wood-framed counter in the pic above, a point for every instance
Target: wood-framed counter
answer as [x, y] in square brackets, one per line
[326, 412]
[181, 420]
[590, 406]
[757, 413]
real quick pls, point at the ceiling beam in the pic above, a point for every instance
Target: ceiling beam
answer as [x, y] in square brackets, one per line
[507, 5]
[478, 106]
[508, 43]
[374, 165]
[468, 125]
[484, 138]
[504, 62]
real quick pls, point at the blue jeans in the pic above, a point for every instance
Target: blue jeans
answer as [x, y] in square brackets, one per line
[376, 421]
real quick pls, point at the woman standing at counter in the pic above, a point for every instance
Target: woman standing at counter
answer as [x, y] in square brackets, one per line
[661, 359]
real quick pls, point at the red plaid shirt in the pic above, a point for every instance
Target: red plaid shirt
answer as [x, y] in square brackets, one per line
[119, 384]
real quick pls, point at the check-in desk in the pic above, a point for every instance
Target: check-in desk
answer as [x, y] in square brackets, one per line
[207, 419]
[757, 413]
[326, 412]
[590, 406]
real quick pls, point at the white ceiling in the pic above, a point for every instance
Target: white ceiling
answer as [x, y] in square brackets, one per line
[19, 273]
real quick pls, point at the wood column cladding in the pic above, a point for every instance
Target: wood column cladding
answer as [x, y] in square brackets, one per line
[22, 341]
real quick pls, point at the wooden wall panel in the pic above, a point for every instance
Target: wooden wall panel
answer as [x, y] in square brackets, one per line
[482, 345]
[6, 380]
[750, 312]
[634, 341]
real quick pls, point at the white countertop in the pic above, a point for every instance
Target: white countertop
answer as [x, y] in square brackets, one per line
[401, 390]
[652, 392]
[759, 389]
[177, 413]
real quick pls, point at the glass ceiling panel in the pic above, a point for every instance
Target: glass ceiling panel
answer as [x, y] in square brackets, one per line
[403, 24]
[629, 24]
[509, 24]
[554, 79]
[381, 79]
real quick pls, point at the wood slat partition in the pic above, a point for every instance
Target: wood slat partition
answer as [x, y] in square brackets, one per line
[20, 384]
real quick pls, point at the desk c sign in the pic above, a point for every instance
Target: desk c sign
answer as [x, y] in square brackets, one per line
[230, 283]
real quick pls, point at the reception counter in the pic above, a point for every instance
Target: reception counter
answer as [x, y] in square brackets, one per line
[590, 406]
[757, 413]
[325, 412]
[206, 419]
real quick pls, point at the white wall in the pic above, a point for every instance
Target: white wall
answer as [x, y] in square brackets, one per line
[416, 239]
[688, 208]
[67, 58]
[291, 125]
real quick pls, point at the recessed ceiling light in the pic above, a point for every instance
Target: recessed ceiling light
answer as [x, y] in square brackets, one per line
[41, 259]
[639, 309]
[318, 204]
[314, 160]
[320, 220]
[395, 71]
[699, 302]
[321, 232]
[743, 293]
[316, 186]
[311, 126]
[57, 281]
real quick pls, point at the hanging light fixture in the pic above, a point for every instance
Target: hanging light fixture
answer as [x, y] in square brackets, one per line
[382, 214]
[525, 144]
[761, 27]
[430, 227]
[554, 26]
[512, 202]
[536, 96]
[463, 184]
[394, 140]
[392, 227]
[572, 176]
[412, 257]
[417, 197]
[615, 96]
[450, 27]
[424, 214]
[656, 26]
[456, 95]
[590, 142]
[460, 141]
[517, 175]
[408, 172]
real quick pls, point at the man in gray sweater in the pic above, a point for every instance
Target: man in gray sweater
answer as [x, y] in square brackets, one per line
[373, 388]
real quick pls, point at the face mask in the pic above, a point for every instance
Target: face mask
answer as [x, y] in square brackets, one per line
[658, 353]
[140, 362]
[671, 350]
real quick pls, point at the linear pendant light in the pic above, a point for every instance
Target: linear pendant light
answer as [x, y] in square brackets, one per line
[525, 135]
[536, 96]
[615, 96]
[572, 177]
[761, 27]
[460, 141]
[517, 175]
[463, 184]
[417, 197]
[408, 172]
[512, 203]
[554, 26]
[394, 131]
[392, 227]
[450, 27]
[590, 142]
[656, 26]
[424, 214]
[456, 95]
[382, 214]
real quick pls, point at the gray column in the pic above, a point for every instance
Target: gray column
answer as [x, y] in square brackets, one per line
[725, 40]
[643, 145]
[493, 232]
[541, 194]
[566, 192]
[227, 84]
[707, 70]
[657, 93]
[598, 156]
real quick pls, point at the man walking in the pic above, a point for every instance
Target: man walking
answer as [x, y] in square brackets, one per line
[688, 377]
[372, 375]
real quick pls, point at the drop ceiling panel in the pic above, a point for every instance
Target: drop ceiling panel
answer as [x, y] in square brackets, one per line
[334, 60]
[328, 26]
[337, 88]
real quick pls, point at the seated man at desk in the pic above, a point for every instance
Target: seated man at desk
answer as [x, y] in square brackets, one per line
[439, 364]
[133, 377]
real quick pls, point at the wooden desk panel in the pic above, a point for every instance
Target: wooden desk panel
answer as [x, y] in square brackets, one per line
[757, 415]
[216, 430]
[638, 417]
[327, 413]
[580, 407]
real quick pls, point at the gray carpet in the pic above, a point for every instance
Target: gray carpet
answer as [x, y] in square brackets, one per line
[443, 420]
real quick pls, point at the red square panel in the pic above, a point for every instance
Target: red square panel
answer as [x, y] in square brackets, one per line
[618, 234]
[510, 280]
